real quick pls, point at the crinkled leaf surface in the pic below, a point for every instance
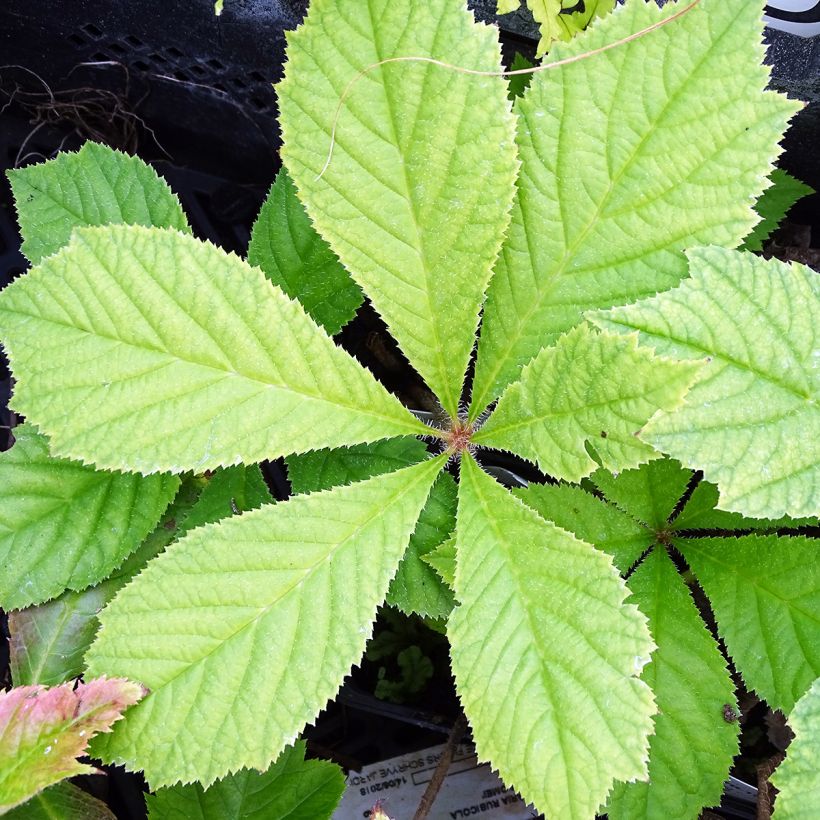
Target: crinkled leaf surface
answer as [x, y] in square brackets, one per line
[244, 629]
[62, 801]
[285, 245]
[773, 205]
[94, 186]
[752, 422]
[765, 593]
[590, 387]
[292, 788]
[798, 776]
[416, 588]
[161, 350]
[628, 157]
[693, 746]
[65, 525]
[590, 519]
[545, 654]
[416, 197]
[43, 731]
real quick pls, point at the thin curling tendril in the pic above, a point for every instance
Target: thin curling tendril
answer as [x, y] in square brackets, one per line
[476, 73]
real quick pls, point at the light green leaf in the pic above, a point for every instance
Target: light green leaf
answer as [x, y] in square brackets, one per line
[94, 186]
[547, 13]
[160, 348]
[416, 197]
[507, 6]
[62, 802]
[64, 525]
[693, 746]
[752, 422]
[545, 654]
[798, 776]
[649, 493]
[243, 630]
[765, 593]
[417, 587]
[443, 560]
[589, 388]
[292, 255]
[292, 788]
[773, 205]
[44, 731]
[600, 219]
[590, 519]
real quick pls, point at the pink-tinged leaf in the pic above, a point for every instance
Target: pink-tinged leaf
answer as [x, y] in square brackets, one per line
[43, 731]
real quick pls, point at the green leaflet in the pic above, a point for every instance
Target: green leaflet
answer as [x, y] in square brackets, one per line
[590, 519]
[292, 255]
[545, 654]
[244, 629]
[693, 746]
[650, 493]
[752, 422]
[619, 176]
[589, 387]
[416, 588]
[773, 205]
[765, 593]
[416, 197]
[518, 83]
[798, 776]
[95, 186]
[64, 525]
[161, 349]
[61, 802]
[44, 731]
[291, 789]
[229, 490]
[443, 560]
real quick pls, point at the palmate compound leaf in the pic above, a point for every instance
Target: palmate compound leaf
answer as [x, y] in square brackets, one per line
[48, 642]
[765, 593]
[291, 789]
[545, 654]
[292, 255]
[693, 745]
[243, 630]
[43, 731]
[589, 387]
[416, 197]
[94, 186]
[64, 525]
[798, 776]
[170, 354]
[628, 157]
[752, 421]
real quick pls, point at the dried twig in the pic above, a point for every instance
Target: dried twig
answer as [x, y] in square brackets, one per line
[434, 786]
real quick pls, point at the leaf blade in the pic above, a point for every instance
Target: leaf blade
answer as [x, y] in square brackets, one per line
[595, 233]
[97, 185]
[560, 751]
[416, 196]
[183, 373]
[751, 423]
[271, 643]
[66, 526]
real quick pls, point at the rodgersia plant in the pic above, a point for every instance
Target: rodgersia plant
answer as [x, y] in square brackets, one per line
[592, 228]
